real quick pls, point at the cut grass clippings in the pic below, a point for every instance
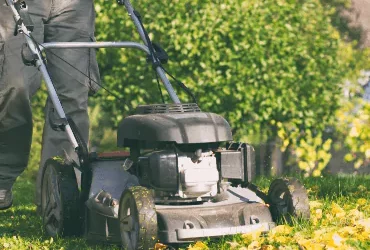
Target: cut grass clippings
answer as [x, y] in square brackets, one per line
[340, 219]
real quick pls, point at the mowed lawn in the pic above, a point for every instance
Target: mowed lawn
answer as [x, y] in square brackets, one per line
[340, 219]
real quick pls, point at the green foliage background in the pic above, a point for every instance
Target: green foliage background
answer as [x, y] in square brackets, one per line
[272, 68]
[255, 62]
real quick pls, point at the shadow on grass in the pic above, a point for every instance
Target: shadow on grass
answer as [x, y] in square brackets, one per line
[21, 225]
[20, 221]
[21, 218]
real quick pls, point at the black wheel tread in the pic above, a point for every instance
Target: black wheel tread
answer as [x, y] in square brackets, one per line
[147, 216]
[299, 208]
[69, 195]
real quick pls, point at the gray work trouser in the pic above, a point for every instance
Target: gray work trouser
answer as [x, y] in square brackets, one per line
[55, 21]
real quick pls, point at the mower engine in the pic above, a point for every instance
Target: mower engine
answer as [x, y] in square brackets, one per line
[177, 151]
[186, 175]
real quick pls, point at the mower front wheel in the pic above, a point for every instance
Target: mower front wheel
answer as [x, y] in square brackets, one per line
[60, 200]
[138, 219]
[288, 200]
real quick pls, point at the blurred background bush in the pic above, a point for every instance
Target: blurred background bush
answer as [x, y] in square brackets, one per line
[283, 73]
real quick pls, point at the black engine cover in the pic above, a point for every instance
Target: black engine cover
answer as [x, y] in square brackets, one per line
[182, 127]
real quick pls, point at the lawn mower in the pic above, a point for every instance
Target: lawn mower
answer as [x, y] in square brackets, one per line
[182, 179]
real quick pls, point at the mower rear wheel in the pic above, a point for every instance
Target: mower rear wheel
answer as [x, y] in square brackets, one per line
[288, 200]
[60, 199]
[138, 219]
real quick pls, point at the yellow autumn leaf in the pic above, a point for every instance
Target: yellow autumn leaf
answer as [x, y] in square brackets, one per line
[252, 236]
[335, 208]
[318, 213]
[233, 244]
[361, 188]
[355, 215]
[285, 248]
[298, 236]
[310, 245]
[364, 236]
[337, 211]
[254, 245]
[198, 246]
[364, 224]
[281, 230]
[366, 208]
[317, 235]
[315, 204]
[283, 240]
[328, 219]
[160, 246]
[314, 221]
[267, 247]
[347, 231]
[361, 201]
[332, 239]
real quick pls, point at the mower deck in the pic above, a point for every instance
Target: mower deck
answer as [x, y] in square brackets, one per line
[240, 211]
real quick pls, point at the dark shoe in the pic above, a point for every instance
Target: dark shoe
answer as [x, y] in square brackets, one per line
[6, 199]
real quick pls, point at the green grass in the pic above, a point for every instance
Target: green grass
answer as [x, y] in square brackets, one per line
[345, 192]
[21, 228]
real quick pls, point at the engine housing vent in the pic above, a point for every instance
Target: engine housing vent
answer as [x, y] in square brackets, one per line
[167, 108]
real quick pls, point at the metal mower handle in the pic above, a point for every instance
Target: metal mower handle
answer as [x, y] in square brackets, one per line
[9, 2]
[140, 28]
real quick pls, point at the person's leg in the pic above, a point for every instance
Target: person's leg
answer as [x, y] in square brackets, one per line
[70, 21]
[17, 83]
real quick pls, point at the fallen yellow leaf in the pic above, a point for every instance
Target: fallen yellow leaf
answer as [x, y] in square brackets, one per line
[310, 245]
[198, 246]
[361, 201]
[252, 236]
[281, 230]
[332, 239]
[361, 188]
[364, 224]
[317, 235]
[355, 215]
[337, 211]
[160, 246]
[347, 231]
[315, 204]
[282, 239]
[267, 247]
[254, 245]
[233, 244]
[318, 213]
